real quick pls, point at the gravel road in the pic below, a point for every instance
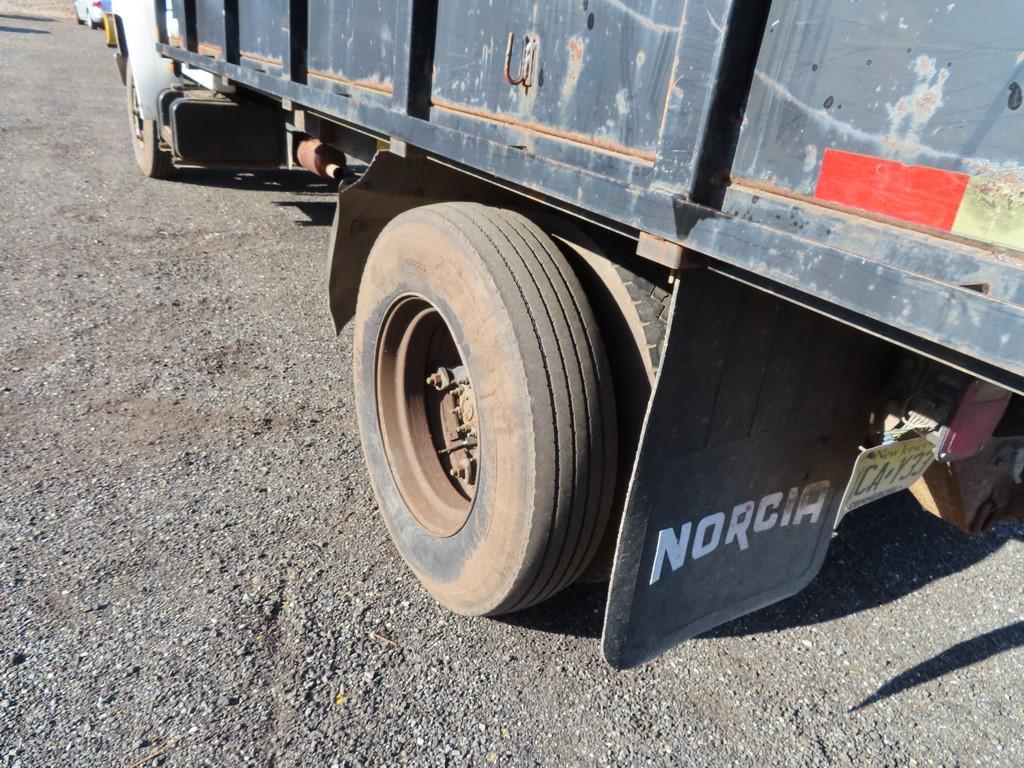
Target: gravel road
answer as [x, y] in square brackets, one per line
[193, 572]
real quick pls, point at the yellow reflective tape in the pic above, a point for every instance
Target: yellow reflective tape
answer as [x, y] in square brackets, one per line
[992, 211]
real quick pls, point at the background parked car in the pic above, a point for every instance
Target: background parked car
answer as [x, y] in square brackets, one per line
[91, 12]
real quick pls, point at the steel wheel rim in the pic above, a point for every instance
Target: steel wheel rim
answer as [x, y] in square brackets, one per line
[428, 416]
[135, 116]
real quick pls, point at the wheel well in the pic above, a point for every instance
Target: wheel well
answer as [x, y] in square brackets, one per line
[629, 296]
[604, 261]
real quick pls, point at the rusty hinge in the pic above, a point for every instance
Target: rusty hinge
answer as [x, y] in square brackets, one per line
[667, 253]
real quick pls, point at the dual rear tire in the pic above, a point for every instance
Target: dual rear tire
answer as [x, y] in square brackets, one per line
[485, 406]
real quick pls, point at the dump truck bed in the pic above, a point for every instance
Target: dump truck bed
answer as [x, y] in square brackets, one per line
[858, 159]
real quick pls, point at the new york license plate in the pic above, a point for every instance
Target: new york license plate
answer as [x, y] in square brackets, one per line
[886, 469]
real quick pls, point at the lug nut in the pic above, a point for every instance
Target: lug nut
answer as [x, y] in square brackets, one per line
[465, 470]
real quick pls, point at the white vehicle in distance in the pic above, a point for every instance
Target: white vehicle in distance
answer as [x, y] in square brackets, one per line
[91, 12]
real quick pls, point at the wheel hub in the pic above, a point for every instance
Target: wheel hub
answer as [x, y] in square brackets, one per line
[429, 417]
[458, 412]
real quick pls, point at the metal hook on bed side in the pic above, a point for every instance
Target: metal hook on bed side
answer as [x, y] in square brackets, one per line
[526, 65]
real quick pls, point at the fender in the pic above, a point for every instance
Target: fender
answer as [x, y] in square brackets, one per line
[389, 186]
[136, 25]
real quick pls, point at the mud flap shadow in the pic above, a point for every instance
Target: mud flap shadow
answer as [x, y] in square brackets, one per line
[750, 436]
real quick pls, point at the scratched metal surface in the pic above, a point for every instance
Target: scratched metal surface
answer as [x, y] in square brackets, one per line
[352, 44]
[622, 180]
[916, 81]
[210, 27]
[604, 67]
[941, 259]
[263, 40]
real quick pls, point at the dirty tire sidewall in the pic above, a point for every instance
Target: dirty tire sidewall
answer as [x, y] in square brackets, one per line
[152, 161]
[494, 563]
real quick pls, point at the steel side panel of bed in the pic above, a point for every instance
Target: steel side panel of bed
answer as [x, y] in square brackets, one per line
[633, 109]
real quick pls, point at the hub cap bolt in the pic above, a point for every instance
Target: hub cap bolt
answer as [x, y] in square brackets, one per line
[464, 469]
[440, 380]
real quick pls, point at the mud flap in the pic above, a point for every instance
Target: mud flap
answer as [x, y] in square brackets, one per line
[749, 439]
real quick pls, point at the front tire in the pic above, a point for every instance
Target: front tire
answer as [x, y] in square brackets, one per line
[485, 295]
[151, 159]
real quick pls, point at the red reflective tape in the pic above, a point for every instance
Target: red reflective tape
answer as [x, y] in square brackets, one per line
[914, 193]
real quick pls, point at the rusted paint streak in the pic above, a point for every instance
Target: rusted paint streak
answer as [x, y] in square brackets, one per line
[993, 210]
[577, 48]
[1002, 173]
[208, 49]
[593, 142]
[369, 85]
[273, 61]
[912, 112]
[175, 40]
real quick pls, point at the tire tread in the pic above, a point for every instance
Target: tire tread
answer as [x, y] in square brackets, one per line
[579, 410]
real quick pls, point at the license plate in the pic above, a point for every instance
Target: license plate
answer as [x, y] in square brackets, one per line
[884, 470]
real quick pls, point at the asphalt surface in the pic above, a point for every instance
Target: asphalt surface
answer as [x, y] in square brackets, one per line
[193, 571]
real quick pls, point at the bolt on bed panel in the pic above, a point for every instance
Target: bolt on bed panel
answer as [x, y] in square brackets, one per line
[909, 109]
[601, 76]
[352, 45]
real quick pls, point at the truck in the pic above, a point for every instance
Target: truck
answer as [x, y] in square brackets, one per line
[654, 292]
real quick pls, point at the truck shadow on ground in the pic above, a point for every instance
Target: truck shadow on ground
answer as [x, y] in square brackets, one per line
[24, 17]
[316, 197]
[317, 213]
[269, 180]
[23, 30]
[879, 555]
[957, 657]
